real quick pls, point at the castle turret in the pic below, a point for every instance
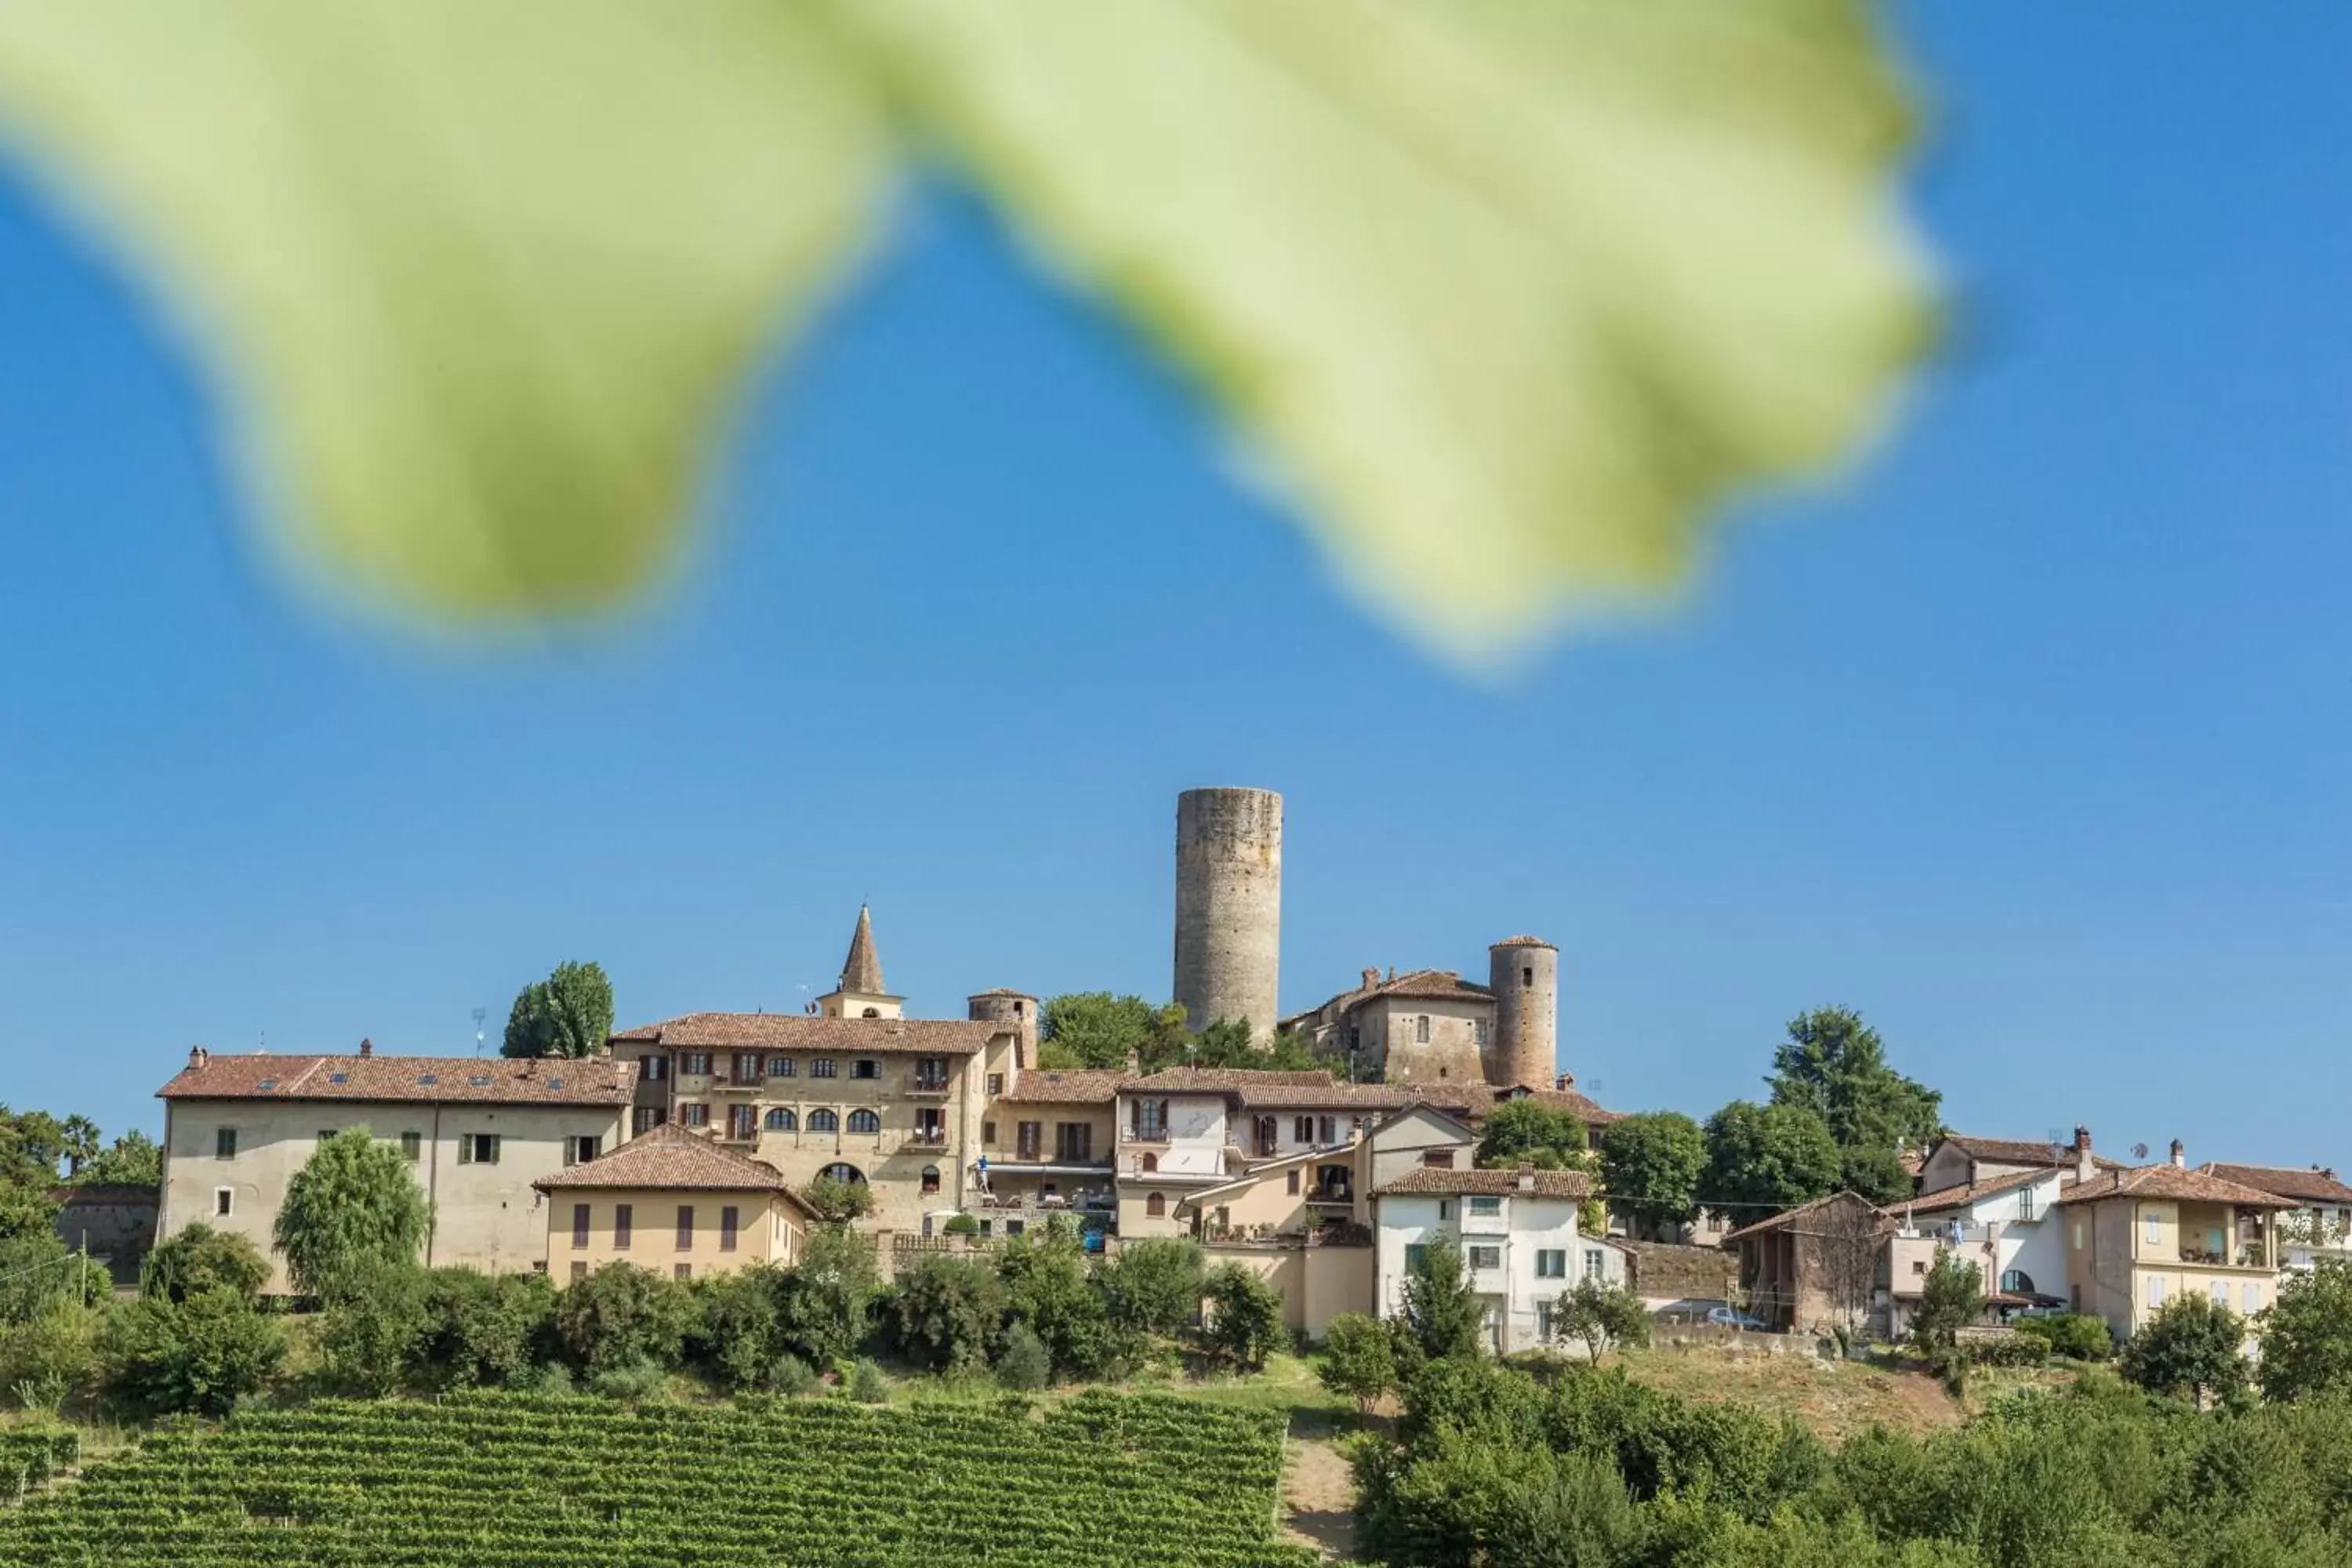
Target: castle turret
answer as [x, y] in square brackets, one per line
[1229, 907]
[1016, 1008]
[1524, 974]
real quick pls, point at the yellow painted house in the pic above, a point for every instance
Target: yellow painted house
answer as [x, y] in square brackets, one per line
[675, 1201]
[2140, 1236]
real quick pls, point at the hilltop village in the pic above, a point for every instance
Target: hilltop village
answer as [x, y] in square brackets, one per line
[693, 1145]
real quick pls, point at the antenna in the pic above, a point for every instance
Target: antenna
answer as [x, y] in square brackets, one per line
[480, 1014]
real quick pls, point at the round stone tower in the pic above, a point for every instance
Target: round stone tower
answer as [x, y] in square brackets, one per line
[1524, 971]
[1016, 1008]
[1229, 907]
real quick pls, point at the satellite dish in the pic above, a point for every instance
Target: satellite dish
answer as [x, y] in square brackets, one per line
[2139, 1151]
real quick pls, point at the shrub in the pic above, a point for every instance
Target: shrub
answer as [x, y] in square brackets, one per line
[1154, 1285]
[636, 1381]
[374, 1329]
[1599, 1316]
[1025, 1364]
[790, 1375]
[2003, 1350]
[824, 1310]
[2194, 1347]
[2077, 1336]
[200, 1355]
[1244, 1317]
[44, 1359]
[353, 1202]
[866, 1384]
[201, 1258]
[736, 1334]
[839, 1203]
[1048, 1289]
[949, 1311]
[1359, 1359]
[486, 1329]
[960, 1225]
[2308, 1335]
[621, 1315]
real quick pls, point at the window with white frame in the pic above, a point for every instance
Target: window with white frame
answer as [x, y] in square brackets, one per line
[2151, 1226]
[2220, 1292]
[1596, 1263]
[223, 1201]
[1551, 1263]
[2252, 1298]
[2154, 1292]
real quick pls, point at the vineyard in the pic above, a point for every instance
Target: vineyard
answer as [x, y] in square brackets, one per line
[499, 1478]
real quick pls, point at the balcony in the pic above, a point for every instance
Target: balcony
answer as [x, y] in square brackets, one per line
[721, 1084]
[1157, 1139]
[928, 1138]
[927, 1086]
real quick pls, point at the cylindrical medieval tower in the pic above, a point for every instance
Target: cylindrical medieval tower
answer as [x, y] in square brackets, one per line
[1229, 907]
[1524, 971]
[1016, 1008]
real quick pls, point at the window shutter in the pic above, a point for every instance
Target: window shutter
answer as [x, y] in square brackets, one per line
[466, 1150]
[495, 1140]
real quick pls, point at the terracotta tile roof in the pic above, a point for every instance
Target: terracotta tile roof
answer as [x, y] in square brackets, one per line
[1790, 1217]
[2174, 1182]
[481, 1080]
[800, 1032]
[1331, 1094]
[1424, 985]
[1428, 1179]
[1065, 1086]
[1270, 1089]
[671, 1157]
[1955, 1197]
[2306, 1184]
[2020, 1151]
[1224, 1080]
[1523, 941]
[1475, 1101]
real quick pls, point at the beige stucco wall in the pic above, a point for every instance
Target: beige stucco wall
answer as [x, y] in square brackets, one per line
[1005, 1122]
[1266, 1199]
[1451, 1054]
[765, 1230]
[485, 1216]
[2112, 1261]
[1134, 1216]
[1397, 1145]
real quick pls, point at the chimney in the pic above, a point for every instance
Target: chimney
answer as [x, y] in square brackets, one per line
[1371, 977]
[1564, 1082]
[1527, 1180]
[197, 1057]
[1391, 972]
[2085, 1166]
[367, 1048]
[2179, 1155]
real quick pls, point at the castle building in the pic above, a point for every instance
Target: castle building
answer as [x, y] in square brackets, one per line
[1430, 1026]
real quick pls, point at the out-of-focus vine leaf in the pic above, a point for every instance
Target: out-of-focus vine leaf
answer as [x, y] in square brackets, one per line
[1509, 291]
[479, 277]
[1507, 294]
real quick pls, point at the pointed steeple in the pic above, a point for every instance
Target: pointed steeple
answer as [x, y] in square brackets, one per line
[862, 971]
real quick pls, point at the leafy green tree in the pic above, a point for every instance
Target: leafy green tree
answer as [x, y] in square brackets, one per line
[1835, 1065]
[569, 1013]
[1047, 1290]
[2194, 1346]
[1098, 1029]
[39, 1273]
[376, 1327]
[2077, 1336]
[1601, 1317]
[738, 1330]
[199, 1258]
[1153, 1285]
[133, 1160]
[77, 1140]
[1651, 1165]
[49, 1356]
[824, 1308]
[1360, 1359]
[199, 1355]
[1025, 1364]
[1950, 1299]
[950, 1311]
[623, 1316]
[1244, 1324]
[487, 1329]
[1764, 1158]
[352, 1203]
[839, 1203]
[867, 1385]
[1529, 1132]
[1441, 1313]
[2306, 1336]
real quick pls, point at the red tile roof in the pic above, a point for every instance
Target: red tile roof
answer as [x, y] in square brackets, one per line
[1065, 1086]
[1432, 1179]
[800, 1032]
[1955, 1197]
[673, 1158]
[1476, 1102]
[479, 1080]
[2306, 1184]
[1270, 1089]
[2174, 1182]
[2020, 1151]
[1790, 1217]
[1424, 984]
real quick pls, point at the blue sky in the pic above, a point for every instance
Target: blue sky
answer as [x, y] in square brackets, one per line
[2031, 743]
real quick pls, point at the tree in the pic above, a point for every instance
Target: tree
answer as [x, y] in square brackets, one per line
[1026, 1363]
[2193, 1346]
[1950, 1299]
[199, 1355]
[737, 1330]
[1244, 1324]
[1046, 1289]
[839, 1203]
[824, 1309]
[352, 1202]
[1359, 1359]
[1761, 1159]
[569, 1013]
[1599, 1316]
[134, 1159]
[486, 1329]
[1098, 1029]
[1441, 1312]
[1834, 1065]
[950, 1311]
[2307, 1335]
[78, 1140]
[199, 1258]
[1153, 1285]
[376, 1327]
[622, 1316]
[1651, 1165]
[1525, 1131]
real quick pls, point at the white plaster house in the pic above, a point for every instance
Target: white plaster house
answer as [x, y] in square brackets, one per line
[1191, 1127]
[1518, 1235]
[2006, 1225]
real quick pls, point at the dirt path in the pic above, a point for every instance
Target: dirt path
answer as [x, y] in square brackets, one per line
[1320, 1498]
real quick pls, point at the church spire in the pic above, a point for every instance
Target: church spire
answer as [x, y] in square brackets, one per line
[862, 971]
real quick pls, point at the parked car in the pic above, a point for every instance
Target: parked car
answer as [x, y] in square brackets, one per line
[1730, 1317]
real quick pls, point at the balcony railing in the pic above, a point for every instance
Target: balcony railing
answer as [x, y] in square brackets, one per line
[721, 1084]
[1135, 1135]
[930, 1138]
[924, 1086]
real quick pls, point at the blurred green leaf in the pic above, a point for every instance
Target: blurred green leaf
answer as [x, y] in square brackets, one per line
[1504, 294]
[480, 279]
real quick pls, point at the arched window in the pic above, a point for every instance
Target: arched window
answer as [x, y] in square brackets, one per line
[2017, 1282]
[865, 1121]
[1155, 1204]
[781, 1120]
[871, 1013]
[930, 1178]
[1148, 1163]
[823, 1121]
[850, 1174]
